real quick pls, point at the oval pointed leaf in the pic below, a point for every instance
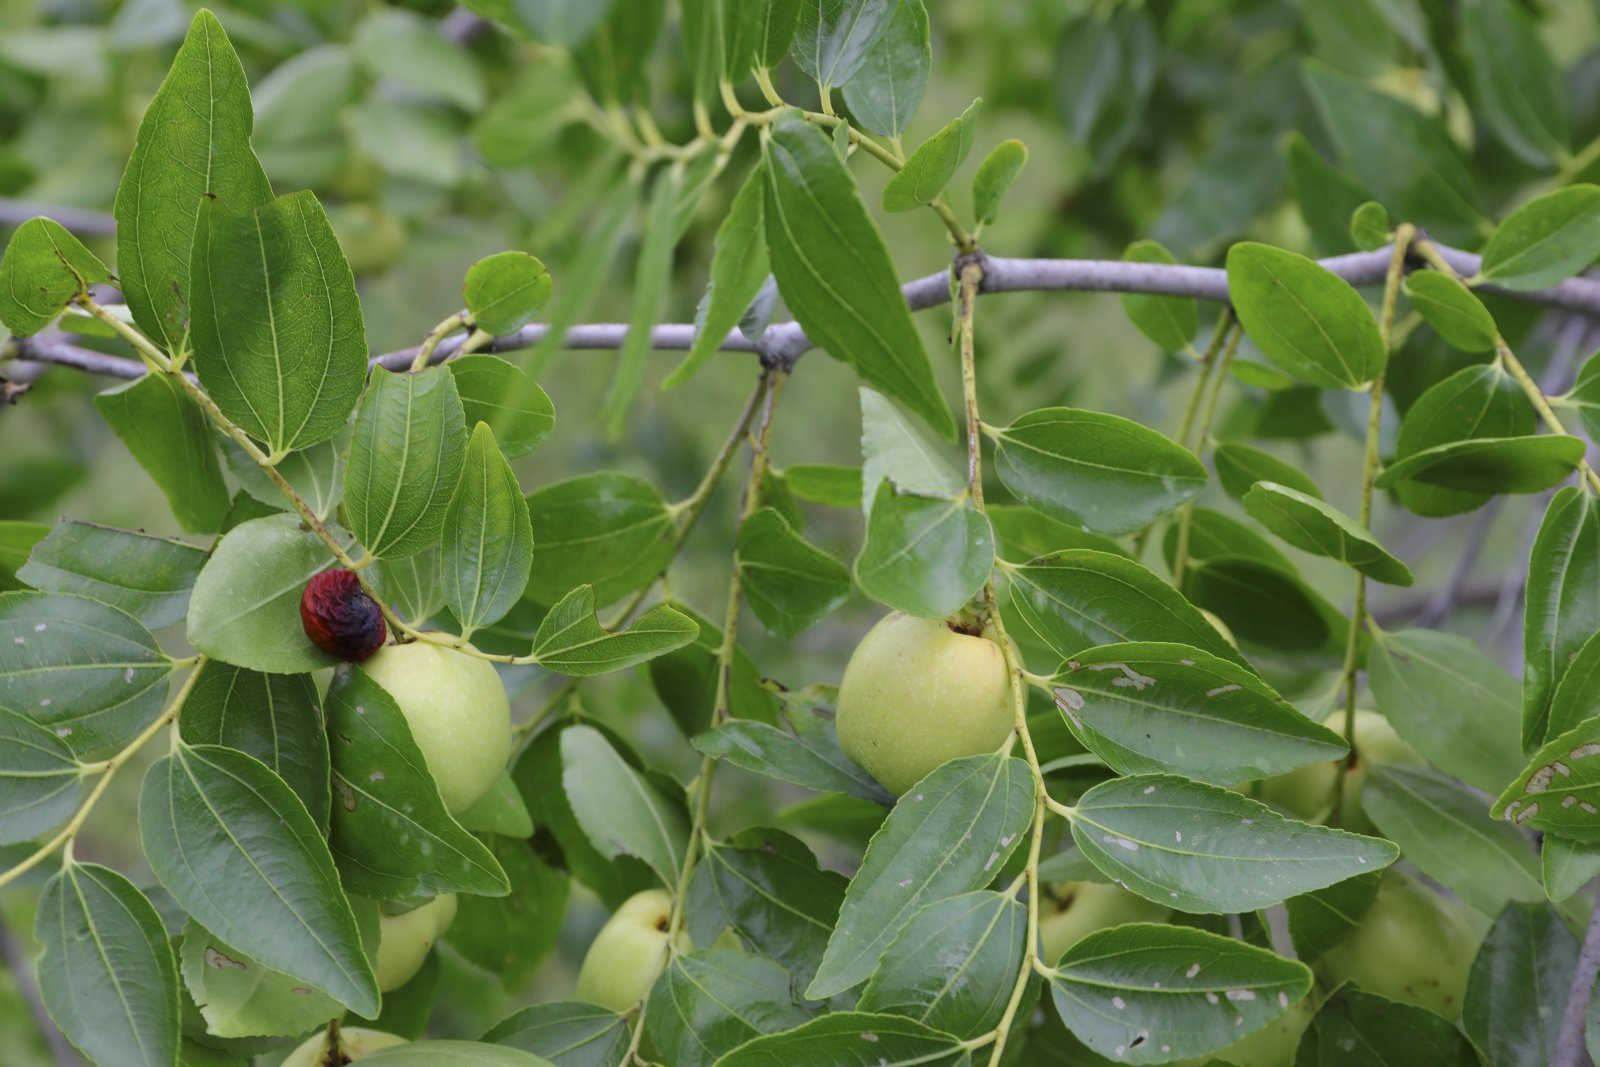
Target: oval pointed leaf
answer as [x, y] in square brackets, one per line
[1451, 309]
[884, 93]
[1524, 966]
[1171, 322]
[1305, 319]
[487, 540]
[929, 169]
[1491, 464]
[851, 1039]
[789, 581]
[1321, 529]
[571, 641]
[995, 175]
[618, 808]
[40, 783]
[1240, 466]
[1563, 603]
[570, 1033]
[924, 555]
[503, 291]
[148, 577]
[894, 447]
[1266, 604]
[1356, 1029]
[609, 530]
[499, 393]
[709, 1003]
[43, 269]
[1546, 240]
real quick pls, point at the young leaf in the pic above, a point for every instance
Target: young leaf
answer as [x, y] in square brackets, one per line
[404, 48]
[1476, 402]
[789, 581]
[885, 92]
[85, 671]
[1152, 707]
[949, 834]
[269, 887]
[1201, 849]
[1559, 790]
[1356, 1029]
[1563, 603]
[40, 781]
[650, 277]
[994, 177]
[107, 976]
[833, 38]
[1316, 527]
[620, 810]
[738, 270]
[1171, 322]
[498, 393]
[1102, 472]
[193, 144]
[169, 436]
[708, 1003]
[1239, 466]
[583, 1033]
[1305, 319]
[609, 530]
[1451, 309]
[834, 271]
[43, 269]
[148, 577]
[503, 291]
[487, 543]
[841, 1039]
[810, 759]
[405, 460]
[929, 169]
[571, 641]
[924, 555]
[1524, 966]
[1546, 240]
[1166, 986]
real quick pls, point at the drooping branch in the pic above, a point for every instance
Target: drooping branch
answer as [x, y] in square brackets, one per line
[786, 342]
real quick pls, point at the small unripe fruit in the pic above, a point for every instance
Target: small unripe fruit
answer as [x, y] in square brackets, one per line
[1307, 792]
[629, 953]
[1085, 907]
[340, 617]
[917, 693]
[404, 939]
[354, 1043]
[458, 712]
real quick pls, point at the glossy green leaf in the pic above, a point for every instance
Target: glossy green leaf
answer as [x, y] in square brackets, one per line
[487, 544]
[833, 269]
[929, 169]
[1165, 986]
[40, 782]
[1102, 472]
[685, 679]
[407, 50]
[708, 1003]
[1546, 240]
[949, 834]
[316, 473]
[43, 269]
[498, 393]
[739, 268]
[994, 177]
[1170, 322]
[88, 673]
[827, 484]
[1559, 790]
[1239, 466]
[147, 577]
[1562, 606]
[850, 1039]
[405, 459]
[609, 530]
[789, 582]
[924, 555]
[1577, 694]
[1321, 919]
[621, 811]
[1519, 90]
[1153, 707]
[1491, 464]
[411, 585]
[651, 274]
[1524, 966]
[277, 718]
[1265, 604]
[268, 887]
[169, 435]
[1451, 309]
[1317, 527]
[807, 755]
[1305, 319]
[833, 38]
[511, 936]
[245, 608]
[1475, 402]
[567, 1032]
[503, 291]
[1566, 866]
[193, 144]
[107, 976]
[571, 641]
[1198, 848]
[884, 93]
[1356, 1029]
[894, 447]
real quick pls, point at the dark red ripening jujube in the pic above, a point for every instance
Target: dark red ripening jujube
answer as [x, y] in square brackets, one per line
[340, 617]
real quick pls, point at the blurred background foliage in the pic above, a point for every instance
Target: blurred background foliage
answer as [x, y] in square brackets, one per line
[434, 139]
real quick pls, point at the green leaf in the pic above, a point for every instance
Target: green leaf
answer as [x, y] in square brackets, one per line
[838, 1040]
[1356, 1029]
[953, 966]
[1585, 396]
[609, 530]
[411, 585]
[17, 539]
[1213, 535]
[405, 460]
[497, 392]
[1519, 91]
[1451, 702]
[756, 33]
[1023, 534]
[1491, 464]
[1328, 197]
[503, 291]
[1475, 402]
[571, 641]
[147, 577]
[950, 833]
[884, 93]
[1102, 472]
[297, 132]
[929, 169]
[40, 782]
[1451, 309]
[44, 268]
[827, 484]
[1170, 322]
[614, 61]
[924, 555]
[1559, 789]
[499, 811]
[86, 672]
[561, 22]
[193, 144]
[650, 278]
[711, 1002]
[404, 48]
[568, 1032]
[1305, 319]
[789, 582]
[738, 270]
[169, 436]
[1369, 226]
[245, 608]
[107, 976]
[1167, 986]
[1323, 918]
[1562, 605]
[511, 936]
[268, 886]
[316, 473]
[1566, 867]
[1321, 529]
[833, 269]
[894, 447]
[1266, 604]
[1241, 466]
[437, 1053]
[620, 810]
[1546, 240]
[994, 177]
[487, 543]
[1577, 694]
[1153, 707]
[1201, 849]
[686, 679]
[277, 718]
[1106, 71]
[1443, 828]
[833, 38]
[809, 756]
[1524, 966]
[391, 835]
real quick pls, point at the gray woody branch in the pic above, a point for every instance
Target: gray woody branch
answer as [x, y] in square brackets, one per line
[787, 341]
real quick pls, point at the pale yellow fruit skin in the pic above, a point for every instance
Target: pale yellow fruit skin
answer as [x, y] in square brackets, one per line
[458, 712]
[629, 952]
[1307, 792]
[916, 694]
[354, 1041]
[1413, 945]
[1273, 1045]
[1093, 906]
[404, 939]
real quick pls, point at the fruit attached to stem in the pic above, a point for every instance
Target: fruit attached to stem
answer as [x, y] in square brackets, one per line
[629, 952]
[404, 939]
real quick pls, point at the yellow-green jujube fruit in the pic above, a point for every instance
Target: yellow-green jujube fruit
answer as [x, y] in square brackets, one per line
[1307, 792]
[1085, 907]
[354, 1043]
[918, 692]
[1413, 945]
[1273, 1045]
[629, 952]
[404, 939]
[458, 712]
